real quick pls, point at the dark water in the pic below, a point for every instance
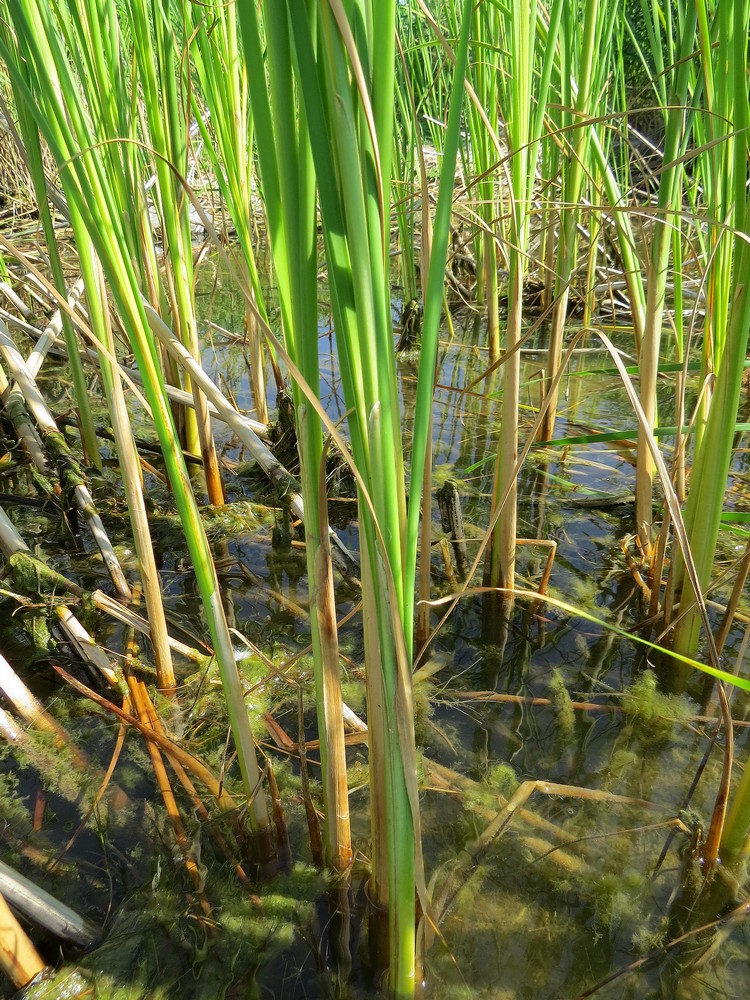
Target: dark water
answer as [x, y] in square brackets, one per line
[571, 891]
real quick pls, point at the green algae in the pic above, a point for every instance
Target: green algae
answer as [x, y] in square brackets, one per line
[502, 779]
[60, 451]
[31, 575]
[54, 764]
[358, 775]
[208, 713]
[498, 783]
[241, 517]
[563, 705]
[15, 813]
[353, 692]
[618, 897]
[653, 714]
[423, 711]
[157, 948]
[518, 916]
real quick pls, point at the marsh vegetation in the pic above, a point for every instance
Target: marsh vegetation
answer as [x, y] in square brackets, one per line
[373, 498]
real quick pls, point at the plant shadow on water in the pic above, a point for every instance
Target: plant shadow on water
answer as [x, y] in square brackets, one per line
[565, 892]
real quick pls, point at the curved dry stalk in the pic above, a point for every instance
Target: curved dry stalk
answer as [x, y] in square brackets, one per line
[190, 763]
[523, 793]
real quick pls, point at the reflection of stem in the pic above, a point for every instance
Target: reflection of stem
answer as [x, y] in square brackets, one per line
[142, 705]
[339, 930]
[313, 823]
[742, 570]
[718, 816]
[474, 853]
[732, 919]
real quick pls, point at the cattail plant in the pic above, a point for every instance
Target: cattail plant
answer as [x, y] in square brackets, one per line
[79, 106]
[336, 113]
[225, 123]
[668, 207]
[585, 45]
[726, 173]
[524, 121]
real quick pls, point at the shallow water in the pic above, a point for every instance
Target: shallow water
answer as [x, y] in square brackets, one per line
[567, 894]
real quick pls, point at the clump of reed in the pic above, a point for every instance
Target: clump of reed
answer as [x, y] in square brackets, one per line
[331, 101]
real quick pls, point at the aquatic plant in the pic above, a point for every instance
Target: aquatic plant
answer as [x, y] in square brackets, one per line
[525, 49]
[332, 109]
[79, 107]
[349, 140]
[222, 114]
[584, 63]
[724, 167]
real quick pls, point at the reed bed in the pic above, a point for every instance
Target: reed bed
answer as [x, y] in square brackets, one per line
[435, 164]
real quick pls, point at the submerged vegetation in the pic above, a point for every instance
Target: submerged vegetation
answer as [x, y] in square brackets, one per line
[275, 275]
